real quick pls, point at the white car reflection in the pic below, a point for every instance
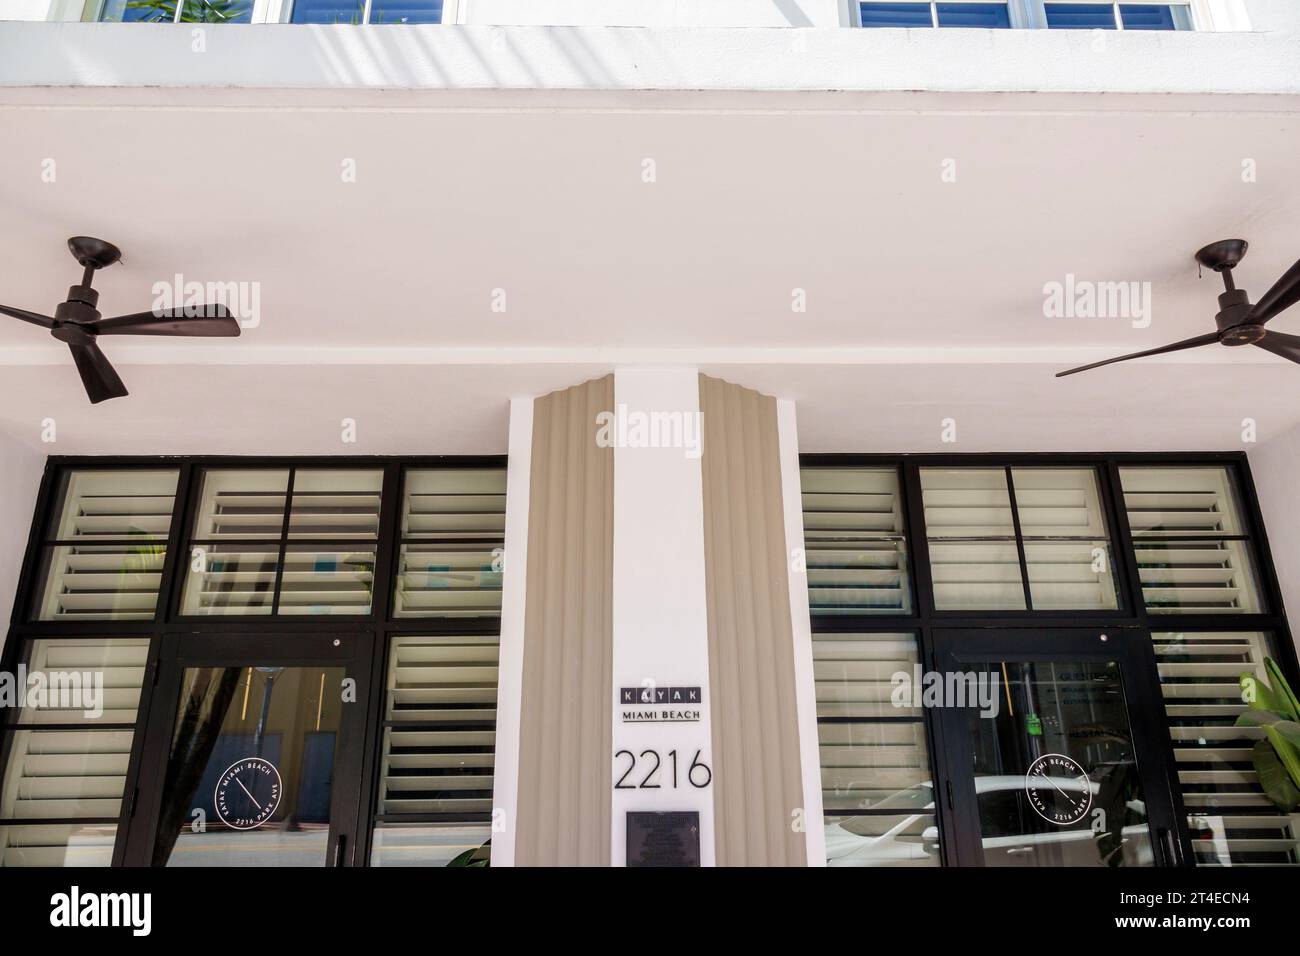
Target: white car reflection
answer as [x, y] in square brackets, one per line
[910, 836]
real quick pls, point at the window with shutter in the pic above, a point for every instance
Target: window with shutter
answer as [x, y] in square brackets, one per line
[855, 549]
[103, 553]
[877, 789]
[248, 557]
[988, 527]
[1232, 823]
[68, 752]
[435, 799]
[453, 532]
[1189, 540]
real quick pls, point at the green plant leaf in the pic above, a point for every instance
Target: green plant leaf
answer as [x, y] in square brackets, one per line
[1286, 753]
[1289, 729]
[1282, 690]
[1273, 777]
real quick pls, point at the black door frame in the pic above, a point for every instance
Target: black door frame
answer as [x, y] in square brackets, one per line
[354, 651]
[1130, 647]
[919, 622]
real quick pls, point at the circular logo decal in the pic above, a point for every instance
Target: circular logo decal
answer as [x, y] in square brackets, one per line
[247, 793]
[1058, 789]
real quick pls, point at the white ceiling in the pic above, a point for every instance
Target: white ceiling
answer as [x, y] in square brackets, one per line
[924, 298]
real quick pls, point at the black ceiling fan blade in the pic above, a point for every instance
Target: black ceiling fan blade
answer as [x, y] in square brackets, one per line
[1206, 339]
[44, 321]
[1279, 343]
[1284, 294]
[97, 373]
[195, 320]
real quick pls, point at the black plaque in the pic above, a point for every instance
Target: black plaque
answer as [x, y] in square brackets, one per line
[670, 838]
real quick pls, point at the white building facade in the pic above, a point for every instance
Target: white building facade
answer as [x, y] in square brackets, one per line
[642, 444]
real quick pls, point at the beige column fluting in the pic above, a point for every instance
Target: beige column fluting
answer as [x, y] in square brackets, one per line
[565, 750]
[758, 790]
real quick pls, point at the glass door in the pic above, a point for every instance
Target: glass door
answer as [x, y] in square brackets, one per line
[256, 759]
[1054, 751]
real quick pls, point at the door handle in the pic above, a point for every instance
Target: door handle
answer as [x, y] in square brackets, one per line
[338, 849]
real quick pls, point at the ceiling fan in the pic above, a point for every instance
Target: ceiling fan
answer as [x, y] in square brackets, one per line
[78, 323]
[1239, 322]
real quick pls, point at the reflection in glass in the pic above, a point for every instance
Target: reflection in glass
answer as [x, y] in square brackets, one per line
[164, 11]
[877, 794]
[406, 11]
[319, 581]
[430, 844]
[230, 579]
[253, 757]
[101, 582]
[328, 11]
[1056, 778]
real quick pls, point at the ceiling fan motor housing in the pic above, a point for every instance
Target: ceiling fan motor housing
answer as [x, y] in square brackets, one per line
[1234, 306]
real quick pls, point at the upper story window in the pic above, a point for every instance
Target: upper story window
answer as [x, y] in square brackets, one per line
[273, 11]
[959, 13]
[1086, 15]
[164, 11]
[1118, 16]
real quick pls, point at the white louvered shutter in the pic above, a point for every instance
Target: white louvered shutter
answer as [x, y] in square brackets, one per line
[1231, 821]
[103, 558]
[69, 767]
[1189, 541]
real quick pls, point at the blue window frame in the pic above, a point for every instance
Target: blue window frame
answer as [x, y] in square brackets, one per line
[1101, 16]
[989, 16]
[1080, 16]
[896, 15]
[1147, 16]
[328, 11]
[406, 11]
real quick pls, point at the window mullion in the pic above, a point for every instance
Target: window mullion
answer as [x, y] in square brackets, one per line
[1020, 540]
[284, 542]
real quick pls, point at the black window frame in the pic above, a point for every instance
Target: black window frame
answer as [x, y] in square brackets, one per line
[1131, 613]
[376, 628]
[380, 626]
